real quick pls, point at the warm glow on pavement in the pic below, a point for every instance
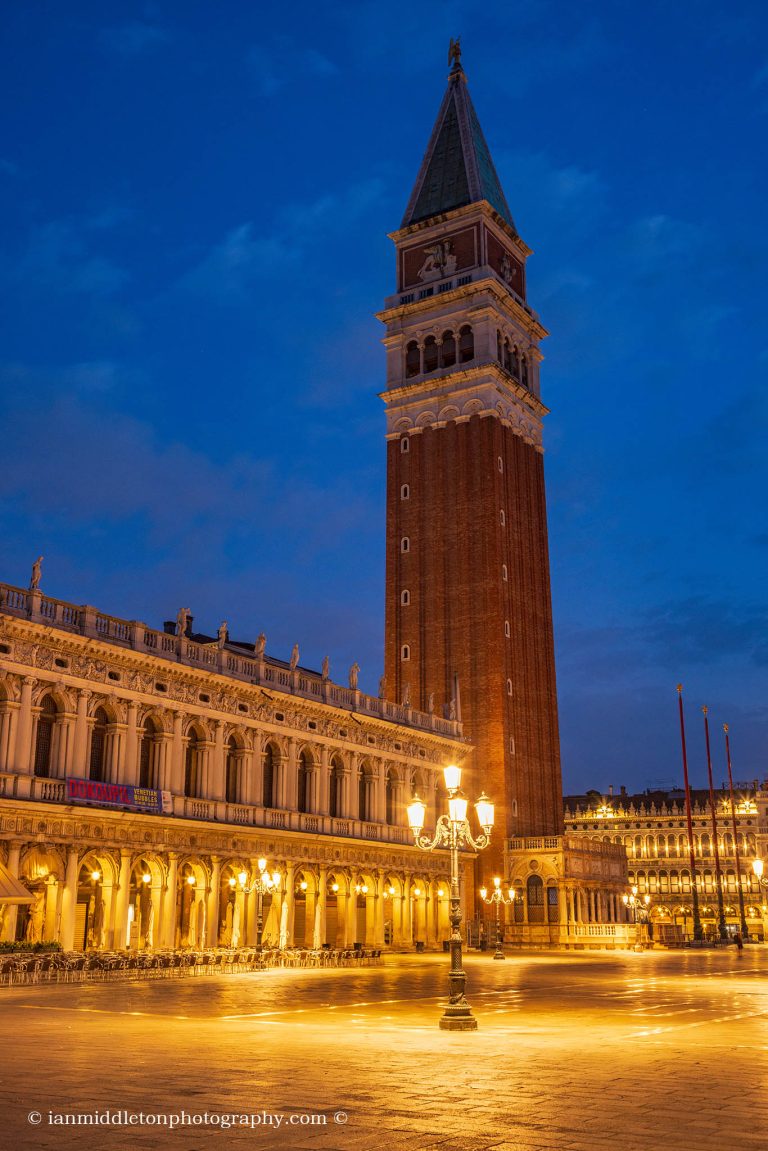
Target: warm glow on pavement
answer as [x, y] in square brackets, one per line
[573, 1052]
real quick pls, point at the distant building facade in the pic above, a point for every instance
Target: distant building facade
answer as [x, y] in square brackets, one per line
[652, 828]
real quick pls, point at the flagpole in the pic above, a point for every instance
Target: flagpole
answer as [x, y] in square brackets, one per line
[723, 930]
[698, 933]
[744, 928]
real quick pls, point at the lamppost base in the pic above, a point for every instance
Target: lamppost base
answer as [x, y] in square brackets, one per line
[458, 1019]
[499, 955]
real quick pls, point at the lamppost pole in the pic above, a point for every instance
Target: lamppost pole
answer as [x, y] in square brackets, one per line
[640, 912]
[497, 897]
[262, 882]
[453, 831]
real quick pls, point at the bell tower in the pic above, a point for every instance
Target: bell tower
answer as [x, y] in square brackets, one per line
[467, 579]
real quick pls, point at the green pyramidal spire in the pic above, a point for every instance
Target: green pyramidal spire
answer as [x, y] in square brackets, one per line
[457, 168]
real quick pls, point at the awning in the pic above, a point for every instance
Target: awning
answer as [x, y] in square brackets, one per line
[11, 891]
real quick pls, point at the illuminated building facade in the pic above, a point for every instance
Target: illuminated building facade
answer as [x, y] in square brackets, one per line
[652, 828]
[142, 772]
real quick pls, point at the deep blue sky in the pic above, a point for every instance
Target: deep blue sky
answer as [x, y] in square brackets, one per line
[194, 201]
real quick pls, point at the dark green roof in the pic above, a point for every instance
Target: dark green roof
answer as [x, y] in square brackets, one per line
[457, 168]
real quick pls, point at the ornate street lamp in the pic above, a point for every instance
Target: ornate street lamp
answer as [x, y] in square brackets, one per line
[498, 897]
[641, 907]
[262, 883]
[453, 831]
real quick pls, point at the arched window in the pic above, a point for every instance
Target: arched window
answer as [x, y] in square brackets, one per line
[405, 544]
[389, 804]
[504, 572]
[232, 771]
[524, 372]
[535, 899]
[448, 350]
[97, 767]
[430, 354]
[44, 739]
[148, 755]
[334, 788]
[405, 444]
[302, 783]
[507, 361]
[192, 766]
[507, 631]
[405, 492]
[499, 348]
[553, 909]
[405, 652]
[500, 464]
[466, 345]
[509, 687]
[514, 364]
[502, 517]
[412, 360]
[405, 597]
[268, 784]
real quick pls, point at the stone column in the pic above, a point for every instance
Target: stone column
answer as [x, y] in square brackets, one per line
[378, 911]
[407, 923]
[169, 901]
[289, 788]
[214, 894]
[121, 905]
[69, 900]
[320, 909]
[24, 728]
[286, 911]
[8, 718]
[51, 903]
[217, 783]
[79, 762]
[379, 794]
[323, 772]
[176, 773]
[131, 766]
[351, 931]
[12, 914]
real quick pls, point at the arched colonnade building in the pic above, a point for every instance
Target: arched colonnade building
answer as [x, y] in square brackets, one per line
[143, 773]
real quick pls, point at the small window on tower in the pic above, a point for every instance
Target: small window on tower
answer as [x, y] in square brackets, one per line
[512, 745]
[507, 632]
[412, 360]
[500, 464]
[405, 492]
[502, 518]
[466, 345]
[405, 597]
[405, 652]
[430, 354]
[504, 572]
[405, 444]
[405, 544]
[448, 350]
[509, 687]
